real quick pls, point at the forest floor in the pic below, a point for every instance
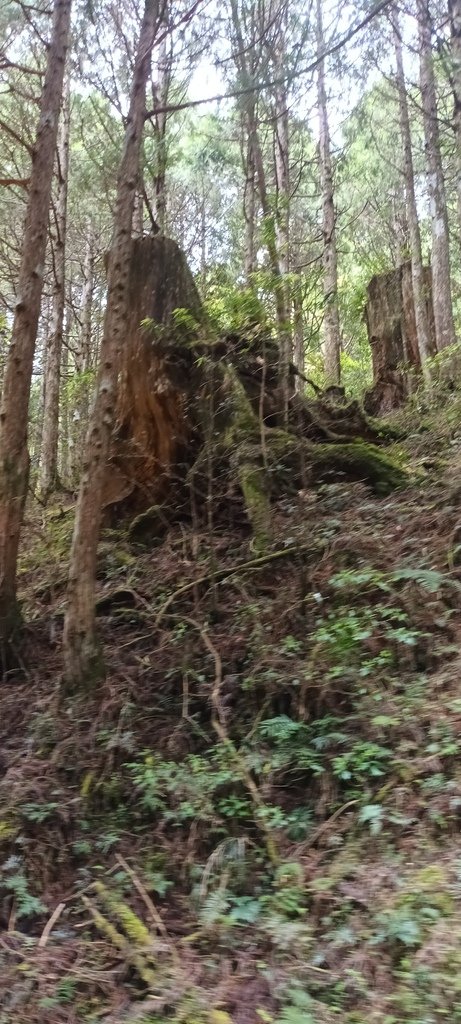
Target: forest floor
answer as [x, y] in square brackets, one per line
[256, 820]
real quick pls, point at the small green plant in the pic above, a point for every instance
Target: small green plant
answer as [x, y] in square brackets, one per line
[373, 816]
[184, 321]
[184, 791]
[364, 762]
[15, 881]
[63, 995]
[290, 645]
[347, 635]
[299, 1010]
[38, 813]
[397, 927]
[238, 310]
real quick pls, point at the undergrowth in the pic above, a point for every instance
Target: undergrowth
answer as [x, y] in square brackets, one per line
[256, 821]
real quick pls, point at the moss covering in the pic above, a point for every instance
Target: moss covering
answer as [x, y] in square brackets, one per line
[243, 443]
[362, 461]
[356, 459]
[253, 481]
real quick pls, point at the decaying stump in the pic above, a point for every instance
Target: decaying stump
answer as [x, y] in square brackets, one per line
[188, 399]
[152, 419]
[391, 326]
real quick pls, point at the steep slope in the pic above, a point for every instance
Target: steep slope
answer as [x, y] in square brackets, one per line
[257, 818]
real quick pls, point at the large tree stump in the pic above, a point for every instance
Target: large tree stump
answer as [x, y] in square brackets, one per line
[153, 423]
[188, 400]
[391, 326]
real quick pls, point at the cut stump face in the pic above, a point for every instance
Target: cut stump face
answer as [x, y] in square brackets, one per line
[152, 423]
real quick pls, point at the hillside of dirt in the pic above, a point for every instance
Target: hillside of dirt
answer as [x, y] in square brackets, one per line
[256, 819]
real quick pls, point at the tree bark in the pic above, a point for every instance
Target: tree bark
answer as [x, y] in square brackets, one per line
[390, 317]
[249, 208]
[161, 90]
[64, 461]
[454, 7]
[87, 303]
[83, 663]
[331, 326]
[83, 358]
[14, 457]
[282, 174]
[441, 271]
[48, 473]
[154, 410]
[298, 332]
[282, 313]
[425, 342]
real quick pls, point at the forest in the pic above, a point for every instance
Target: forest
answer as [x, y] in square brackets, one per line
[230, 534]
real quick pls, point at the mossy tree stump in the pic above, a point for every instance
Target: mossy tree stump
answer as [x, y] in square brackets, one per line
[187, 396]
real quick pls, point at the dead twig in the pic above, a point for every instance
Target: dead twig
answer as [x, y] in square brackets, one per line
[325, 824]
[50, 925]
[220, 575]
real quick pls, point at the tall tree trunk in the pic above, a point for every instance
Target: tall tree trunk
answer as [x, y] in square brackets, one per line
[82, 657]
[417, 270]
[87, 302]
[331, 327]
[298, 331]
[454, 7]
[138, 214]
[282, 177]
[203, 240]
[48, 474]
[161, 89]
[249, 207]
[14, 457]
[64, 469]
[82, 358]
[441, 273]
[282, 313]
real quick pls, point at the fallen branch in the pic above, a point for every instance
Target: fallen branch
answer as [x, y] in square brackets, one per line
[219, 575]
[125, 946]
[50, 925]
[325, 824]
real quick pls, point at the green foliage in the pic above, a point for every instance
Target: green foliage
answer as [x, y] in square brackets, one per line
[39, 813]
[299, 1010]
[370, 578]
[235, 310]
[356, 374]
[364, 762]
[443, 367]
[64, 994]
[14, 880]
[397, 927]
[184, 326]
[298, 746]
[192, 789]
[372, 814]
[343, 635]
[77, 387]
